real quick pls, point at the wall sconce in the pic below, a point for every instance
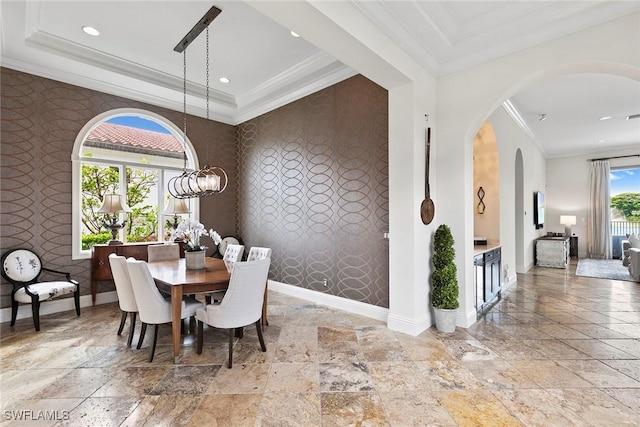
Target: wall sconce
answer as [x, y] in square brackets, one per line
[567, 221]
[481, 207]
[174, 208]
[112, 205]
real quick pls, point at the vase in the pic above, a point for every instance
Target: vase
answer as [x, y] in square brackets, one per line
[445, 319]
[195, 260]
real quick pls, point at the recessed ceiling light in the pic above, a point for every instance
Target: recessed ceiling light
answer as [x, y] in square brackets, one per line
[224, 80]
[294, 34]
[90, 30]
[605, 118]
[601, 141]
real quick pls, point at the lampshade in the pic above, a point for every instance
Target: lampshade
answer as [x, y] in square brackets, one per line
[568, 219]
[113, 203]
[176, 207]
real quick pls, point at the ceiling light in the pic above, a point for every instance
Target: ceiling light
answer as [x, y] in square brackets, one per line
[601, 141]
[208, 180]
[605, 118]
[224, 80]
[542, 117]
[90, 30]
[294, 34]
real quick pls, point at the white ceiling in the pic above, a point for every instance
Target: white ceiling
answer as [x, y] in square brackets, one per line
[134, 57]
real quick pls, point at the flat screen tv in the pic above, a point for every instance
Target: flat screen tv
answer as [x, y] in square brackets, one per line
[538, 209]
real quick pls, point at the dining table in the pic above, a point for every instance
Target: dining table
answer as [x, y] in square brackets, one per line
[173, 277]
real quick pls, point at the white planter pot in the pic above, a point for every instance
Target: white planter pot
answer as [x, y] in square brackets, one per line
[445, 319]
[195, 260]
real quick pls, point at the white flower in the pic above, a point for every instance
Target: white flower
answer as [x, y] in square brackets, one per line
[190, 231]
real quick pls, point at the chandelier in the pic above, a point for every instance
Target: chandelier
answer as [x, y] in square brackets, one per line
[210, 179]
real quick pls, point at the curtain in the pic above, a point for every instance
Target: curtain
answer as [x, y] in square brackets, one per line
[599, 215]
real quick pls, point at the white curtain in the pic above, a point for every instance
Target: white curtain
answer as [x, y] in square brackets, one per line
[599, 215]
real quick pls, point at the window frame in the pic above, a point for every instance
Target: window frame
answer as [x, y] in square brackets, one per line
[77, 161]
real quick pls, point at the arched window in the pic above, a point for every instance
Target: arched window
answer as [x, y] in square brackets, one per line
[132, 153]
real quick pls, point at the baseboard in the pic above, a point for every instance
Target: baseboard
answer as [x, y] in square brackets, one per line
[409, 326]
[465, 320]
[58, 305]
[509, 283]
[351, 306]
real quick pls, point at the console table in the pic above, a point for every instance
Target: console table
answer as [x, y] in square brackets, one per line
[100, 267]
[552, 251]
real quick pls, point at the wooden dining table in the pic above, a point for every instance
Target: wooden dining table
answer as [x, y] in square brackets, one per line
[173, 278]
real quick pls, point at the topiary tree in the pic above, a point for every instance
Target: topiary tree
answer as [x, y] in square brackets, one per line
[444, 281]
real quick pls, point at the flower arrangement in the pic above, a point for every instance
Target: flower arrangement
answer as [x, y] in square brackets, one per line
[190, 231]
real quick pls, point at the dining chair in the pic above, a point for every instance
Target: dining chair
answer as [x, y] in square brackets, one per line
[241, 305]
[126, 298]
[256, 253]
[23, 268]
[153, 308]
[163, 252]
[232, 255]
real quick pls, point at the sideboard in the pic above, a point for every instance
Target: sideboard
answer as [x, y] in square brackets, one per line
[100, 267]
[552, 251]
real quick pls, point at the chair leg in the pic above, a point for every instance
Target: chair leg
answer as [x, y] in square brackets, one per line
[76, 298]
[260, 337]
[200, 338]
[265, 298]
[192, 324]
[143, 330]
[123, 319]
[153, 346]
[14, 311]
[133, 327]
[231, 333]
[35, 310]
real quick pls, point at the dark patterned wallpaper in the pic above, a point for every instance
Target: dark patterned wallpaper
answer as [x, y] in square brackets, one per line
[40, 121]
[313, 186]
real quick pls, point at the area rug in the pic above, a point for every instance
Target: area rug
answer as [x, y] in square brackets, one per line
[603, 269]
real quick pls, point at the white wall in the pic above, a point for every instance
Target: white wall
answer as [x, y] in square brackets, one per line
[568, 190]
[510, 137]
[467, 98]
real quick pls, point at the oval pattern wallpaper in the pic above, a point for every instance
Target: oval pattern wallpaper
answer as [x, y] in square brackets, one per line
[313, 185]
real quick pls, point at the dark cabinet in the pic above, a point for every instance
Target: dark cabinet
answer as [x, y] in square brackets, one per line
[573, 247]
[487, 267]
[100, 267]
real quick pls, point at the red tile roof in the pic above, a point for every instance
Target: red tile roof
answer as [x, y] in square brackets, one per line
[133, 137]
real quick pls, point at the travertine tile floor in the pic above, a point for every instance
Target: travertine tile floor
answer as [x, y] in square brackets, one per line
[558, 350]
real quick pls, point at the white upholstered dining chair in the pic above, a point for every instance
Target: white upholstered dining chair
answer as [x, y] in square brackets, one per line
[163, 252]
[126, 299]
[241, 305]
[232, 255]
[153, 308]
[256, 253]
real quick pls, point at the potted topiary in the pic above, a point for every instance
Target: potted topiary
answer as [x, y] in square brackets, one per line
[444, 281]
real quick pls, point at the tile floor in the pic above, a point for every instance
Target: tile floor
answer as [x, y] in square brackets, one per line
[558, 350]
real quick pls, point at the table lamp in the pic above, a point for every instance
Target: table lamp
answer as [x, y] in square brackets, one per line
[174, 208]
[112, 205]
[567, 221]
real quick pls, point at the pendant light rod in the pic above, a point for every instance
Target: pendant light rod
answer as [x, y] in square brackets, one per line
[197, 29]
